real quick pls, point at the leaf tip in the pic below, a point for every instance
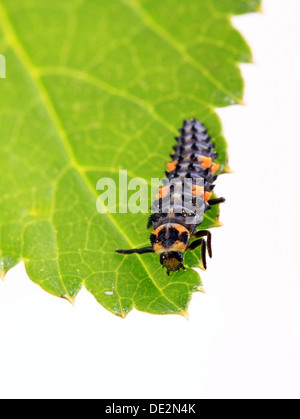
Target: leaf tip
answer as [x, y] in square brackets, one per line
[228, 170]
[219, 224]
[185, 314]
[260, 9]
[3, 271]
[69, 298]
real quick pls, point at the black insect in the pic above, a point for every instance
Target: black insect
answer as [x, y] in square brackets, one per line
[194, 159]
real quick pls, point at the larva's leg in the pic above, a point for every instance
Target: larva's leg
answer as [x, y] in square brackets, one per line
[138, 251]
[203, 254]
[216, 201]
[196, 244]
[206, 233]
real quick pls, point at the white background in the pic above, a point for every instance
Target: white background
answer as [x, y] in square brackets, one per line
[243, 337]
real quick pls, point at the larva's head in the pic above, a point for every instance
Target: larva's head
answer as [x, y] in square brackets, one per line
[170, 241]
[173, 261]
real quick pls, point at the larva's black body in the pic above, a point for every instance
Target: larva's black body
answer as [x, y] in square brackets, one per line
[193, 162]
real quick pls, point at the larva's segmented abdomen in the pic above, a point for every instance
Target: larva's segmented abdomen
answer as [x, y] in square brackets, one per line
[194, 155]
[193, 158]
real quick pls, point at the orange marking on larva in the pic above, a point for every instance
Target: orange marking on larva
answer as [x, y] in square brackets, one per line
[156, 231]
[198, 190]
[207, 196]
[180, 228]
[205, 162]
[171, 166]
[214, 168]
[178, 246]
[162, 192]
[158, 248]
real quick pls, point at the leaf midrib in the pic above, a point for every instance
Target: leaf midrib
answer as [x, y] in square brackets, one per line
[34, 75]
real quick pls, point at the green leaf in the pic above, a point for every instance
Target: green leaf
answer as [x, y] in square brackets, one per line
[93, 87]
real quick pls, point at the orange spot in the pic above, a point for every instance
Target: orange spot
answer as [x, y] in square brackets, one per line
[155, 232]
[162, 192]
[214, 168]
[179, 246]
[197, 190]
[205, 162]
[171, 166]
[181, 229]
[207, 196]
[158, 248]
